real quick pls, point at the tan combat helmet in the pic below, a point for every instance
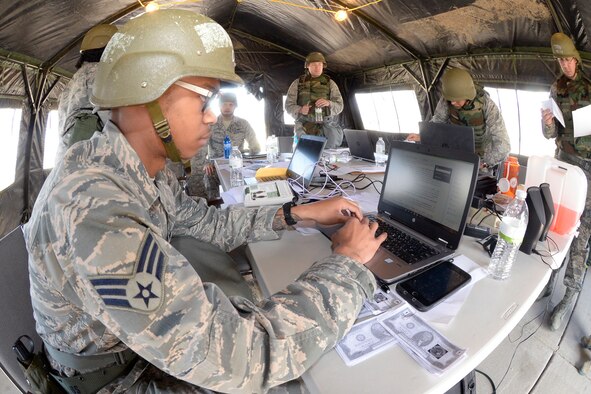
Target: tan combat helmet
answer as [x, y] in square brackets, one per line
[153, 51]
[458, 85]
[315, 57]
[97, 37]
[562, 46]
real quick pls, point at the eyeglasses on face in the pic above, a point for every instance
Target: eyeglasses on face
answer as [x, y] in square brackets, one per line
[208, 96]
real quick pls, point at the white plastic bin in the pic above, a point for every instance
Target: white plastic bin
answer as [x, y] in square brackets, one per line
[568, 186]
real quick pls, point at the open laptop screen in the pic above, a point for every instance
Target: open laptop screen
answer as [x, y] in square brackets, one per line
[447, 135]
[304, 159]
[429, 191]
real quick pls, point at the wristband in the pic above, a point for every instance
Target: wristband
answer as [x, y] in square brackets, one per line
[287, 213]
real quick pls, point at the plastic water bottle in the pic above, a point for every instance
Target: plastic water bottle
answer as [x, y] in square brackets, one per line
[236, 178]
[318, 118]
[513, 226]
[295, 142]
[272, 147]
[380, 152]
[227, 147]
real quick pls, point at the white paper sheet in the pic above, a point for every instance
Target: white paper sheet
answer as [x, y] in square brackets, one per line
[582, 121]
[552, 106]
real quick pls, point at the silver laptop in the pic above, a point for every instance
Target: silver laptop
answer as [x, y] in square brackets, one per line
[359, 144]
[423, 206]
[447, 135]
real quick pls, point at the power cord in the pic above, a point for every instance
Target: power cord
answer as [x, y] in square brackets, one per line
[492, 384]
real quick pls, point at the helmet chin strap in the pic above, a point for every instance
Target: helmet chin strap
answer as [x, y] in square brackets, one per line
[163, 130]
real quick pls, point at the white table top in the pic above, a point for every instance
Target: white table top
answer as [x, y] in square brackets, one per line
[492, 310]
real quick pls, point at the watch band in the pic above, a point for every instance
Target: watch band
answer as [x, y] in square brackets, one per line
[287, 213]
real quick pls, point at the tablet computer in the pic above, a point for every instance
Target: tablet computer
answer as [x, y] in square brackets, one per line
[430, 287]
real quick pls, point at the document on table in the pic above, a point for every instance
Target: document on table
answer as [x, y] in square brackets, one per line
[552, 106]
[582, 121]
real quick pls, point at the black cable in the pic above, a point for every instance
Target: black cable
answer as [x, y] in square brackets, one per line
[492, 384]
[485, 217]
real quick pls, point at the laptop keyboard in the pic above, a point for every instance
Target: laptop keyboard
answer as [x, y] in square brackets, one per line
[406, 247]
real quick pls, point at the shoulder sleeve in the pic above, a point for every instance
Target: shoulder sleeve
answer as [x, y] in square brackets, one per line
[336, 100]
[131, 280]
[251, 137]
[441, 114]
[291, 105]
[497, 144]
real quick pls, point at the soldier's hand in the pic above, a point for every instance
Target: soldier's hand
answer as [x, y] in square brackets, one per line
[209, 169]
[328, 212]
[547, 116]
[413, 137]
[305, 109]
[357, 240]
[322, 103]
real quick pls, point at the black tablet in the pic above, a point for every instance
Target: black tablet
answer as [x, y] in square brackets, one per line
[430, 287]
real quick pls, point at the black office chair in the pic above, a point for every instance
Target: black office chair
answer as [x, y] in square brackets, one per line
[15, 305]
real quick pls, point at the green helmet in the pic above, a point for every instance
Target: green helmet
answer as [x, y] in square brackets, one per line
[226, 97]
[562, 46]
[458, 85]
[97, 37]
[151, 52]
[315, 57]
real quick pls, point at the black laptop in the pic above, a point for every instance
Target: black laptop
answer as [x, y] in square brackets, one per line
[359, 144]
[447, 135]
[423, 207]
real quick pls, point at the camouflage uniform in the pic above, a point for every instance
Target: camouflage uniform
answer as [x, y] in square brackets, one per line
[491, 139]
[104, 277]
[74, 100]
[239, 131]
[570, 95]
[330, 128]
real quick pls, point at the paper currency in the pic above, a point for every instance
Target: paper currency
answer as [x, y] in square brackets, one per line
[422, 342]
[364, 340]
[382, 302]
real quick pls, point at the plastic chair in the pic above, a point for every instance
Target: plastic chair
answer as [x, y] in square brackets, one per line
[15, 305]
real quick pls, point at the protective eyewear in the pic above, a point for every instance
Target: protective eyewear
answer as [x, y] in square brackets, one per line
[208, 96]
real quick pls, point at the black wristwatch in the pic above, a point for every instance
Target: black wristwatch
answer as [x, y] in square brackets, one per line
[287, 213]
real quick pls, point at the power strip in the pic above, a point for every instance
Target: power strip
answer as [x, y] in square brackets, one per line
[472, 230]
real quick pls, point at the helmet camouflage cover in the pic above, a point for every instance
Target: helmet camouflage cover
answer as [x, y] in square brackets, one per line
[315, 57]
[562, 46]
[97, 37]
[458, 85]
[151, 52]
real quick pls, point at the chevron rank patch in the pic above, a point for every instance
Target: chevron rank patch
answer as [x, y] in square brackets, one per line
[142, 291]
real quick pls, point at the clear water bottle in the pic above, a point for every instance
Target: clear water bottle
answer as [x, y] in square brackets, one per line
[513, 226]
[272, 148]
[295, 142]
[318, 115]
[227, 147]
[380, 152]
[236, 177]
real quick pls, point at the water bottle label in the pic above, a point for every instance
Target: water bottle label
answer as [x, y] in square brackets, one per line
[511, 231]
[235, 162]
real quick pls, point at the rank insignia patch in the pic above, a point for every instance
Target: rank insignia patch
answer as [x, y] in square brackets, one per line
[142, 291]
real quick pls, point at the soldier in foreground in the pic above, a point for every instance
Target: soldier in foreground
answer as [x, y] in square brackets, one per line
[467, 104]
[118, 308]
[313, 100]
[76, 120]
[572, 90]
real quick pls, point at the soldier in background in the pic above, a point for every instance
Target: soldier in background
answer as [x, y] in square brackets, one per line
[315, 90]
[468, 104]
[75, 118]
[118, 307]
[571, 90]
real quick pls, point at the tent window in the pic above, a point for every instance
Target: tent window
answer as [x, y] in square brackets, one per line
[521, 112]
[396, 111]
[287, 118]
[10, 120]
[248, 108]
[51, 140]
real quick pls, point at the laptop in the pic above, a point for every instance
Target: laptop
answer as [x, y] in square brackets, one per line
[447, 135]
[359, 144]
[423, 206]
[302, 164]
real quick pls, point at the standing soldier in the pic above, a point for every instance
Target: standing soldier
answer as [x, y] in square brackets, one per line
[313, 100]
[468, 104]
[571, 90]
[76, 120]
